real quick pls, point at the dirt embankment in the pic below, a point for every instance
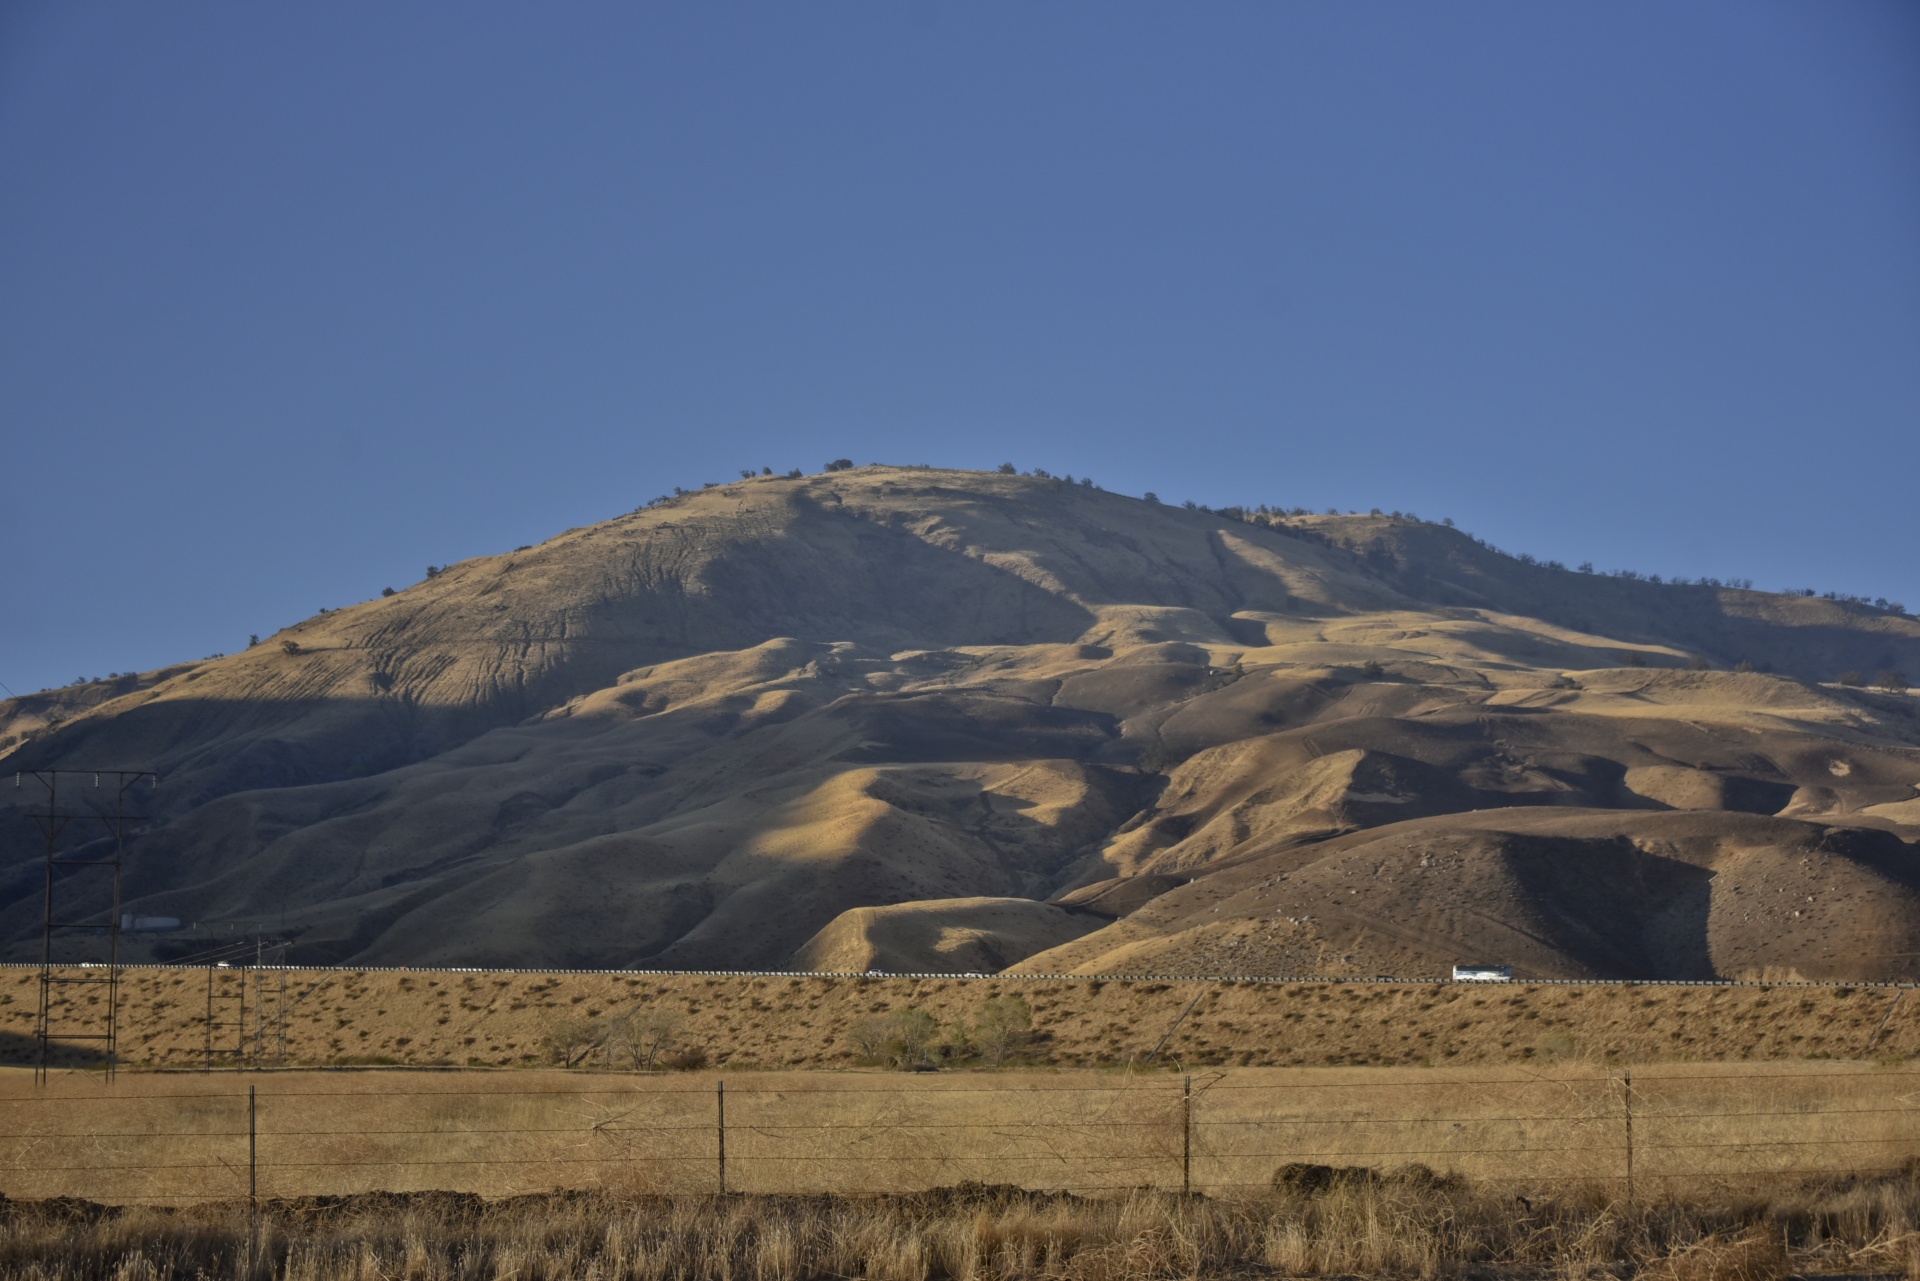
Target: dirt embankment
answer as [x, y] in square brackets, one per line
[506, 1019]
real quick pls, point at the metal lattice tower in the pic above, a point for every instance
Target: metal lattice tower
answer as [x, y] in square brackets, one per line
[226, 1014]
[246, 1023]
[67, 914]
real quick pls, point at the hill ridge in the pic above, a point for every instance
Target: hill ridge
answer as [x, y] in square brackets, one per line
[710, 729]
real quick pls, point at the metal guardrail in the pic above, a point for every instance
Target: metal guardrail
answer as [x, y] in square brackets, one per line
[1017, 978]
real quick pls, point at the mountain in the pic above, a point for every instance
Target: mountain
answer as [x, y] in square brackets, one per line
[909, 718]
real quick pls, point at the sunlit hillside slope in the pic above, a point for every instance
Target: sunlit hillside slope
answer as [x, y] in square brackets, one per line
[906, 718]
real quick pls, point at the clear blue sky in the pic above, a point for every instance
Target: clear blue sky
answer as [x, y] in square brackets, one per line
[296, 299]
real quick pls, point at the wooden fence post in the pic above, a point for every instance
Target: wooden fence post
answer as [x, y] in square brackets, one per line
[253, 1184]
[1627, 1099]
[1186, 1136]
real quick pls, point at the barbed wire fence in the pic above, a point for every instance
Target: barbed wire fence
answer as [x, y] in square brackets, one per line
[178, 1140]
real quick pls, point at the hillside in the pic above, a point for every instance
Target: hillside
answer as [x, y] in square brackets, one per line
[891, 714]
[496, 1020]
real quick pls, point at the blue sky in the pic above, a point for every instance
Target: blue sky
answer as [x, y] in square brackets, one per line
[298, 299]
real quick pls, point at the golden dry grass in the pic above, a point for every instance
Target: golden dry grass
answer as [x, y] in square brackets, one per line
[179, 1137]
[1398, 1226]
[498, 1019]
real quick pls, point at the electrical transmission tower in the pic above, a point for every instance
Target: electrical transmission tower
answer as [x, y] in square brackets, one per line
[246, 1029]
[80, 994]
[226, 1015]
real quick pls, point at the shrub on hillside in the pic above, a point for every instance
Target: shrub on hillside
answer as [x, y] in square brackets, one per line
[1158, 758]
[902, 1039]
[1003, 1030]
[642, 1037]
[567, 1042]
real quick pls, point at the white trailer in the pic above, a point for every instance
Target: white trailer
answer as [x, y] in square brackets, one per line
[1483, 974]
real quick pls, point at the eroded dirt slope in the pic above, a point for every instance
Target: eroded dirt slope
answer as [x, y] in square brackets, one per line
[791, 719]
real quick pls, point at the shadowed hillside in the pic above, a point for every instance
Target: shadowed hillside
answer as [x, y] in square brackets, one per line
[881, 718]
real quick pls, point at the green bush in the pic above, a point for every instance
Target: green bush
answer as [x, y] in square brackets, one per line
[1003, 1031]
[902, 1039]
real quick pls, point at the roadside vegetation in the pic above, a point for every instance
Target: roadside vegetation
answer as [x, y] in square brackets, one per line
[1314, 1221]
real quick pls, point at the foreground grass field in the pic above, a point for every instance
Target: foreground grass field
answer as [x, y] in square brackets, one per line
[1406, 1225]
[314, 1017]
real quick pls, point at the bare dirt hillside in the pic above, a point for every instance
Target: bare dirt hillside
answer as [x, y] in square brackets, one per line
[848, 717]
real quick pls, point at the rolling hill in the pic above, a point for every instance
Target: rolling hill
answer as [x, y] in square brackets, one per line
[907, 718]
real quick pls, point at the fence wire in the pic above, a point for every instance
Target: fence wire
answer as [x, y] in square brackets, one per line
[145, 1141]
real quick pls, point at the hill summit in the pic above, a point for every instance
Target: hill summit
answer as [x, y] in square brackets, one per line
[920, 719]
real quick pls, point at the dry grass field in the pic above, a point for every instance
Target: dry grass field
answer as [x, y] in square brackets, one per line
[183, 1137]
[1748, 1174]
[438, 1018]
